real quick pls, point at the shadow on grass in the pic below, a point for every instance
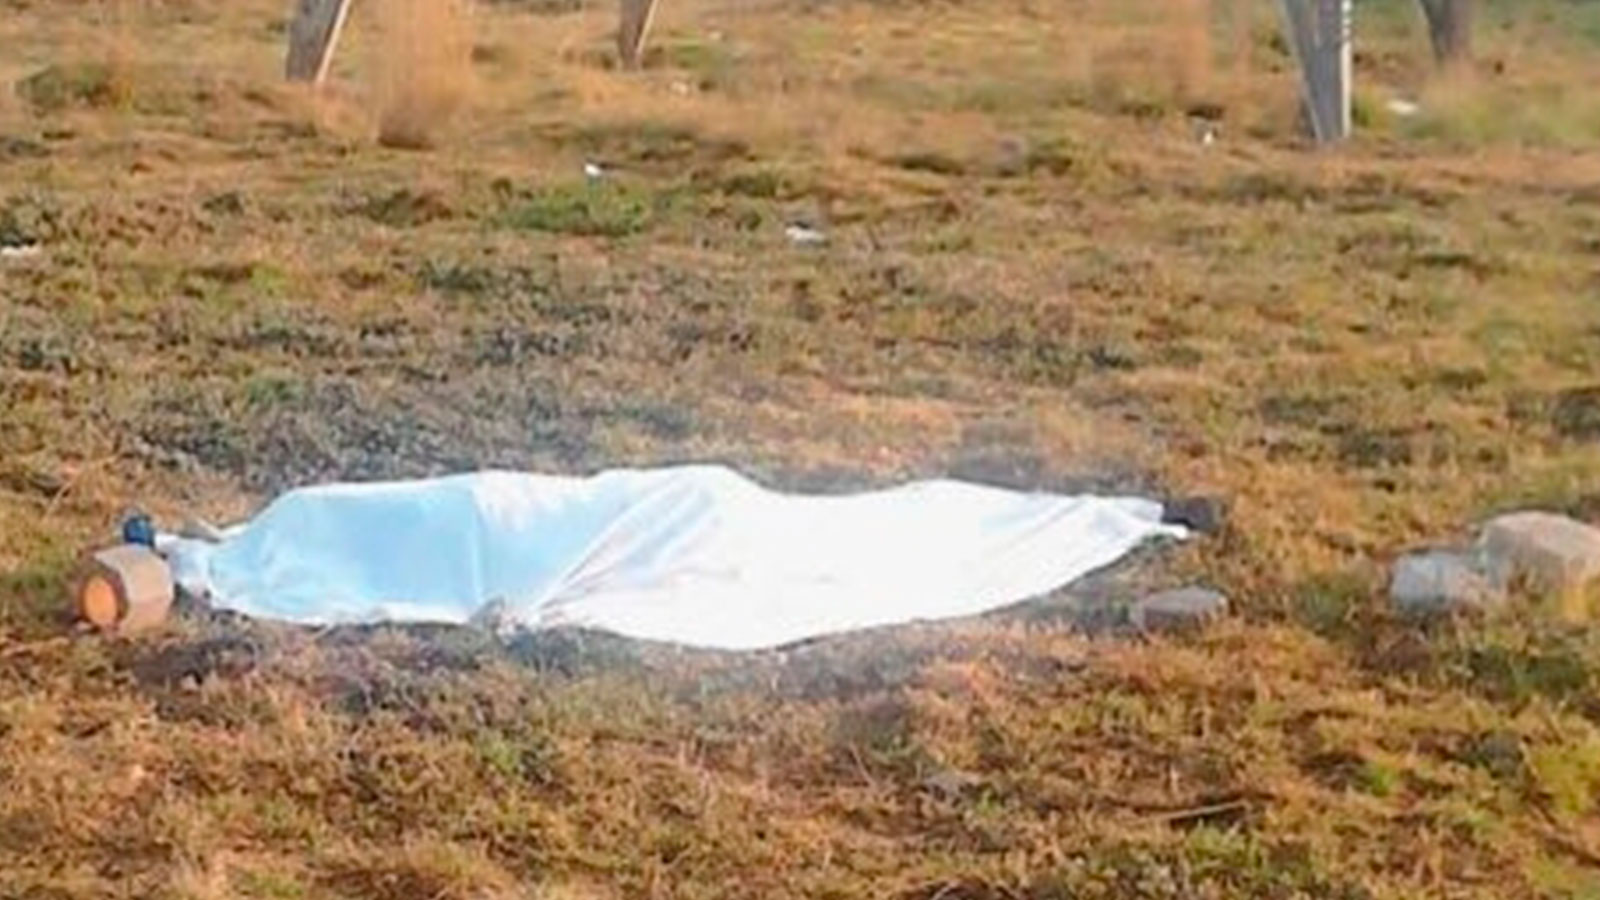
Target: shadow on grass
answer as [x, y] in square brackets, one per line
[34, 599]
[1512, 656]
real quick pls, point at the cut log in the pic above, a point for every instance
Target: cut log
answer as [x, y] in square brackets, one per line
[125, 589]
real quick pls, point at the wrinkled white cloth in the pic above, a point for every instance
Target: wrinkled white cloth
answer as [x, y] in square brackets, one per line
[697, 555]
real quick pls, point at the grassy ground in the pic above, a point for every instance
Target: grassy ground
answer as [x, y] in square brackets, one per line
[1036, 275]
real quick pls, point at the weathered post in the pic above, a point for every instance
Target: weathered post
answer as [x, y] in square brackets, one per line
[1319, 32]
[1449, 29]
[631, 29]
[312, 36]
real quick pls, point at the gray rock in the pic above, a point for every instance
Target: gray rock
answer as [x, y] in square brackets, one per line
[1440, 582]
[1551, 552]
[1183, 609]
[1205, 515]
[951, 784]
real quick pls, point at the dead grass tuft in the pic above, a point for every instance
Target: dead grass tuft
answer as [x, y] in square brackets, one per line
[424, 69]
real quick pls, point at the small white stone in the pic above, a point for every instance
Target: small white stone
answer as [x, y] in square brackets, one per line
[805, 235]
[1179, 610]
[23, 251]
[1405, 109]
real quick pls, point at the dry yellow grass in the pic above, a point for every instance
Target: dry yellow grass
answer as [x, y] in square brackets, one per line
[423, 68]
[1036, 275]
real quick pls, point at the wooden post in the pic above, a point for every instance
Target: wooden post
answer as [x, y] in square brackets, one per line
[1449, 29]
[631, 29]
[312, 36]
[1319, 32]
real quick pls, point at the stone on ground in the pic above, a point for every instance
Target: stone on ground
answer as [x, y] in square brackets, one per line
[1183, 609]
[1205, 515]
[1440, 582]
[1549, 552]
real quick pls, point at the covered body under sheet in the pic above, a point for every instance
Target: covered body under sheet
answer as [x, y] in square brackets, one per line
[697, 555]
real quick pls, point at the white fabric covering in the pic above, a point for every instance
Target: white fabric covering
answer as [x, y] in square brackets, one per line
[697, 555]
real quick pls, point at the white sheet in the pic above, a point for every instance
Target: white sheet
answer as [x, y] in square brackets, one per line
[697, 555]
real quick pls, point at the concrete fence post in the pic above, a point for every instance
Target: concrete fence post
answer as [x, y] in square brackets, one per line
[1319, 33]
[632, 26]
[313, 34]
[1449, 29]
